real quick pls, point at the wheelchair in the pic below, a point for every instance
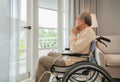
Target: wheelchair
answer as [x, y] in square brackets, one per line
[83, 71]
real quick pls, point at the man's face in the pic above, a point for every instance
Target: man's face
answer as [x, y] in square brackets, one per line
[79, 21]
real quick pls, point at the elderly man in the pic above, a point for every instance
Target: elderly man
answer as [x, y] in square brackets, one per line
[81, 37]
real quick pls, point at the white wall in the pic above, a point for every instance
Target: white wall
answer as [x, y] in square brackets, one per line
[108, 13]
[4, 40]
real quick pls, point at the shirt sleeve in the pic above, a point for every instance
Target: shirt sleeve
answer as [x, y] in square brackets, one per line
[81, 42]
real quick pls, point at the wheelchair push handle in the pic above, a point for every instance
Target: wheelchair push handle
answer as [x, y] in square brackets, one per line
[99, 39]
[105, 39]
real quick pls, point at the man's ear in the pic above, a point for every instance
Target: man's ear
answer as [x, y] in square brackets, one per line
[83, 20]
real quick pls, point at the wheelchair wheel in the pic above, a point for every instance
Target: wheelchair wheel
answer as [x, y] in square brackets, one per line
[81, 72]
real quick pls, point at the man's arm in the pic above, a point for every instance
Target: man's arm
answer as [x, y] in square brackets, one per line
[81, 42]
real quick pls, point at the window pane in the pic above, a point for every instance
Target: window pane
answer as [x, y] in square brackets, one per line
[23, 10]
[22, 62]
[52, 4]
[23, 40]
[22, 55]
[47, 18]
[23, 19]
[47, 38]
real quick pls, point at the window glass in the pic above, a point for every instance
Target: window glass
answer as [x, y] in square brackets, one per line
[47, 38]
[47, 18]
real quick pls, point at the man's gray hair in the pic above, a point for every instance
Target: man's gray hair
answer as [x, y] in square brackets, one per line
[87, 17]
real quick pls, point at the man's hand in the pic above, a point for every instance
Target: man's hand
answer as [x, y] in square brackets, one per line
[75, 30]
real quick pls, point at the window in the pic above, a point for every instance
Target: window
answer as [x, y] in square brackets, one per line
[52, 24]
[48, 28]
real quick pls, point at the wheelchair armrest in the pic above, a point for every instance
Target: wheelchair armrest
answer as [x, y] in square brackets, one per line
[75, 54]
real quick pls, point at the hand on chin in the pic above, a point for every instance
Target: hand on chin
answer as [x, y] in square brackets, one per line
[75, 30]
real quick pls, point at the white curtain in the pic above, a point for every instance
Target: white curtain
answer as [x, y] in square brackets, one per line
[4, 40]
[9, 26]
[14, 39]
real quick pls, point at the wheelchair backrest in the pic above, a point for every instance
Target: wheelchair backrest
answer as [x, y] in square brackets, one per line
[92, 49]
[92, 46]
